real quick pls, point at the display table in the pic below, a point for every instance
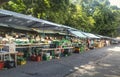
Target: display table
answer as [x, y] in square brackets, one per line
[57, 50]
[46, 49]
[31, 45]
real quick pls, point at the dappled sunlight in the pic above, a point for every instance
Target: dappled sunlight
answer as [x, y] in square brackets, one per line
[93, 69]
[85, 70]
[76, 68]
[105, 65]
[88, 67]
[111, 75]
[114, 49]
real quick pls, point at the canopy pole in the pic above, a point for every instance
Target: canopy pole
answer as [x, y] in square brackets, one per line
[43, 34]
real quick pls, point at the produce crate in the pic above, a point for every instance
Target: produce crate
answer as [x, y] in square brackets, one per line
[21, 62]
[46, 56]
[76, 50]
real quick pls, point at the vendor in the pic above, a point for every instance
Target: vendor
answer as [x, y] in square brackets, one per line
[88, 43]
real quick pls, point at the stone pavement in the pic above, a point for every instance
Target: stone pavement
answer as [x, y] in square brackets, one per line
[102, 62]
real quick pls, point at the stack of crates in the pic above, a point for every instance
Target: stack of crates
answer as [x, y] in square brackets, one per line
[55, 44]
[20, 59]
[46, 56]
[82, 48]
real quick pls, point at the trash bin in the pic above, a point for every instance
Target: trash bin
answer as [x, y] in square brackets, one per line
[9, 64]
[1, 65]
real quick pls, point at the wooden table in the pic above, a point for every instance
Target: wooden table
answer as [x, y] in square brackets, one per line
[57, 50]
[46, 49]
[30, 46]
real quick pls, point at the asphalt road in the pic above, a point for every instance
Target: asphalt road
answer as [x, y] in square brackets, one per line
[107, 66]
[103, 62]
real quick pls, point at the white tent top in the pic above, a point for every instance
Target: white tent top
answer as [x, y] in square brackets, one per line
[21, 21]
[9, 18]
[90, 35]
[17, 19]
[77, 33]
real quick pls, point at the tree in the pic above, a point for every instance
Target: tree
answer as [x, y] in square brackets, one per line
[44, 9]
[3, 1]
[79, 19]
[106, 21]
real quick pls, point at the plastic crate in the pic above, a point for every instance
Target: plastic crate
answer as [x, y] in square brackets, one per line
[21, 62]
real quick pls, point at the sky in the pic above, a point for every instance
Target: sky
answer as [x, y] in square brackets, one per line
[115, 2]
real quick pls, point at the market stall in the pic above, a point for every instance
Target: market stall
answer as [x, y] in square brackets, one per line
[36, 39]
[91, 40]
[78, 42]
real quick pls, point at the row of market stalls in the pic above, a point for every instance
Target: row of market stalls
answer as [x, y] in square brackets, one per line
[23, 37]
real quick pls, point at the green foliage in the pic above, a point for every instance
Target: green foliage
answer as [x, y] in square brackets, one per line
[106, 21]
[3, 1]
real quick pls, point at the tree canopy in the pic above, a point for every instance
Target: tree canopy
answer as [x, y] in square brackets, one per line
[96, 16]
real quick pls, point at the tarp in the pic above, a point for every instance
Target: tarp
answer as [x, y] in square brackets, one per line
[99, 36]
[17, 19]
[12, 18]
[77, 33]
[26, 22]
[90, 35]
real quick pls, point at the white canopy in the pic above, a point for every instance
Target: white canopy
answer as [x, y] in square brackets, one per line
[77, 33]
[90, 35]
